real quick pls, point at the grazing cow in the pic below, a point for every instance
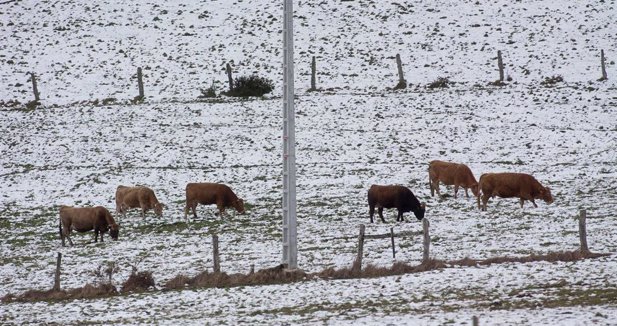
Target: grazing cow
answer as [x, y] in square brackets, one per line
[512, 185]
[211, 193]
[398, 197]
[84, 219]
[133, 197]
[449, 174]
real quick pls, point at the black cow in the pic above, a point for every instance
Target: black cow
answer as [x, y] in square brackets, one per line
[398, 197]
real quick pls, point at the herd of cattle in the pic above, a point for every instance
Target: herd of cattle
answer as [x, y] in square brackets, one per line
[504, 185]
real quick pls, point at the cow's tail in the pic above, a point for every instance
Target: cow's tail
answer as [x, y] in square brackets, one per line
[60, 230]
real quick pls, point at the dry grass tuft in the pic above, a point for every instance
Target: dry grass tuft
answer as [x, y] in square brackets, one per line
[275, 275]
[89, 291]
[138, 282]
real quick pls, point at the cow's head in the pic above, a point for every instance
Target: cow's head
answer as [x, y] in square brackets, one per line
[420, 212]
[475, 190]
[158, 209]
[239, 205]
[545, 194]
[114, 229]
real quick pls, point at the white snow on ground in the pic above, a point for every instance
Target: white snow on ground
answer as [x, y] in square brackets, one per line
[354, 135]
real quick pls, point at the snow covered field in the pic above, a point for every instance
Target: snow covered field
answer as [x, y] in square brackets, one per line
[350, 137]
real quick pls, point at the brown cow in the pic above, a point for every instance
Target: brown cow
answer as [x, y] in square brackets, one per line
[449, 174]
[211, 193]
[398, 197]
[84, 219]
[512, 185]
[133, 197]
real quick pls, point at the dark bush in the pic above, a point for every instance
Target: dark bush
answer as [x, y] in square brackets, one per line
[550, 81]
[441, 82]
[251, 86]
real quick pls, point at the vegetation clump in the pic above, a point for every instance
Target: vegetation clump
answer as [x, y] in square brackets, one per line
[441, 82]
[551, 81]
[250, 86]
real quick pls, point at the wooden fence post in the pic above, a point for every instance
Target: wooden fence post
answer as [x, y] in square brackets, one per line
[500, 65]
[427, 240]
[475, 321]
[35, 89]
[401, 79]
[357, 265]
[582, 230]
[313, 72]
[57, 276]
[603, 62]
[392, 237]
[231, 81]
[140, 83]
[215, 253]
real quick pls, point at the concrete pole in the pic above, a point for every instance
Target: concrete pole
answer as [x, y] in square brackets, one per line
[290, 235]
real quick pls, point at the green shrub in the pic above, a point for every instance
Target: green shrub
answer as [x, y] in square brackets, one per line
[251, 86]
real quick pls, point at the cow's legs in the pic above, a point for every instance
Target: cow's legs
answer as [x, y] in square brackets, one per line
[144, 209]
[484, 201]
[534, 203]
[466, 193]
[66, 233]
[371, 211]
[455, 191]
[380, 211]
[522, 202]
[431, 185]
[400, 216]
[186, 211]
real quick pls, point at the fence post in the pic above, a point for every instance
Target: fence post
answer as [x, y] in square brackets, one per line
[500, 65]
[231, 81]
[313, 72]
[401, 80]
[582, 230]
[140, 83]
[215, 253]
[392, 237]
[427, 239]
[603, 62]
[57, 276]
[357, 265]
[35, 89]
[475, 321]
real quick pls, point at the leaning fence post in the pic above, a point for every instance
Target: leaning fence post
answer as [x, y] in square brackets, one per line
[215, 253]
[603, 62]
[582, 230]
[231, 81]
[427, 240]
[392, 237]
[401, 79]
[140, 83]
[500, 65]
[357, 265]
[35, 89]
[57, 276]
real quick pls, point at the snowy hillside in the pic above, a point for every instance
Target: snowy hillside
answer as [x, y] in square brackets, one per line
[352, 134]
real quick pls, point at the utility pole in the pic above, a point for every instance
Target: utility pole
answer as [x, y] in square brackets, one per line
[290, 234]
